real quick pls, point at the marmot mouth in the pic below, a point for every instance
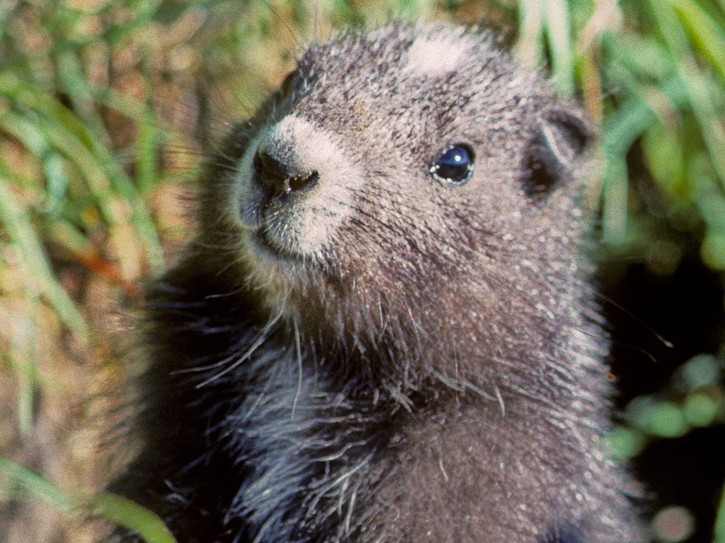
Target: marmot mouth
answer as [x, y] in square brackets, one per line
[262, 243]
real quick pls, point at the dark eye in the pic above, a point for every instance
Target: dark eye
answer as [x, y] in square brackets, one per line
[454, 165]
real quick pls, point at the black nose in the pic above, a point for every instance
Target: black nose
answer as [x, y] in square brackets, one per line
[279, 177]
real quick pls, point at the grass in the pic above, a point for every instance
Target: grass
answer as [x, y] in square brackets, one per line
[115, 508]
[102, 110]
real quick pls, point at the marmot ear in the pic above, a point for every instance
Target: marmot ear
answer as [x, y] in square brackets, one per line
[561, 137]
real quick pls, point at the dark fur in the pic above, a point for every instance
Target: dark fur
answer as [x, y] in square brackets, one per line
[433, 372]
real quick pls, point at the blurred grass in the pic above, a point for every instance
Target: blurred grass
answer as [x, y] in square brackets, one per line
[116, 508]
[105, 106]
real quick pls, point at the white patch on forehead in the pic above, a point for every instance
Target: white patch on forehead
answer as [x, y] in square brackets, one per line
[436, 55]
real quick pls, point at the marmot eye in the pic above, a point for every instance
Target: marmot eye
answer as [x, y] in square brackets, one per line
[454, 165]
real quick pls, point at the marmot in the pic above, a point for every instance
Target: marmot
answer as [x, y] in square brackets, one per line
[383, 331]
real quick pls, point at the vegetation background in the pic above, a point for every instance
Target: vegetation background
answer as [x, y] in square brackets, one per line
[107, 107]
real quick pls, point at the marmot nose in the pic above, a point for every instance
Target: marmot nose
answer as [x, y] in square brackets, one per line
[279, 177]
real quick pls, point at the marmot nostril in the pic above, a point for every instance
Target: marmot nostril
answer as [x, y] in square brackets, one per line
[272, 174]
[303, 182]
[279, 177]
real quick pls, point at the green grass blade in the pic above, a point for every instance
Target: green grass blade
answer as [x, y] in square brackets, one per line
[115, 508]
[37, 485]
[704, 31]
[558, 23]
[22, 233]
[23, 362]
[619, 132]
[130, 515]
[694, 80]
[529, 47]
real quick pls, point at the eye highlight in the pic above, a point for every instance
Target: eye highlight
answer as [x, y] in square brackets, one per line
[454, 165]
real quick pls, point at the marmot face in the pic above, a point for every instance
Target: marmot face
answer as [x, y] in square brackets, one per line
[401, 168]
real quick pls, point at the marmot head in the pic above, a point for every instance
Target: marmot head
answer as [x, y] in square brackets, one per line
[412, 181]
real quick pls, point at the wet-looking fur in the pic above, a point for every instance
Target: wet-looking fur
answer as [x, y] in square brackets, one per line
[382, 331]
